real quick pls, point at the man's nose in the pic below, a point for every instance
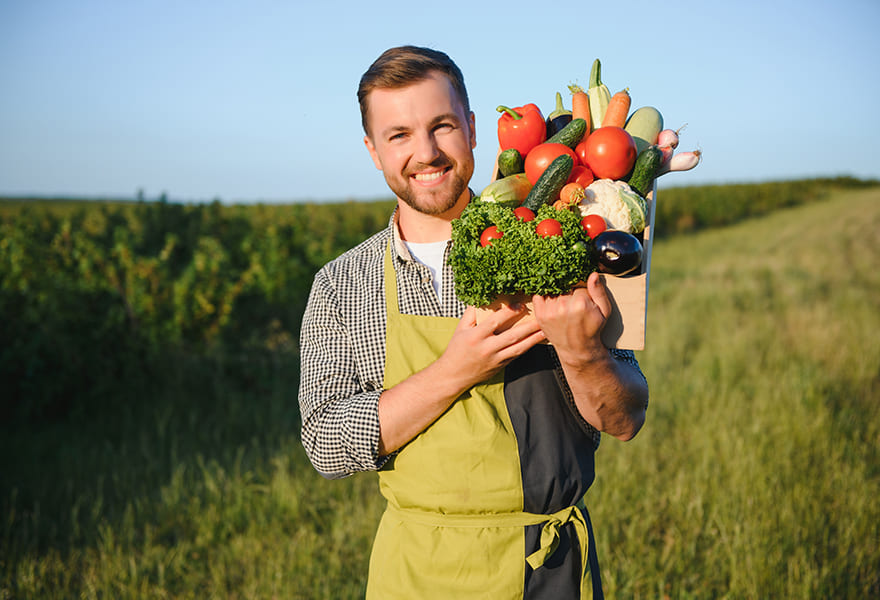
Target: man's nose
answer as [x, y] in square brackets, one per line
[427, 149]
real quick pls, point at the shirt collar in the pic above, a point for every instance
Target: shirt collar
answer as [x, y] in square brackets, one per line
[400, 248]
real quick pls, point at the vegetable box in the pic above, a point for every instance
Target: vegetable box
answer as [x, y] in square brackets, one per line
[626, 327]
[587, 177]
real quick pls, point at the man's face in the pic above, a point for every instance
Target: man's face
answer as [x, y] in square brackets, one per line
[422, 140]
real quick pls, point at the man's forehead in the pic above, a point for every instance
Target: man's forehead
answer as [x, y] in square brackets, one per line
[383, 95]
[433, 80]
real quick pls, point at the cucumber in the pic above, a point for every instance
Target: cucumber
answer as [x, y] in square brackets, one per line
[571, 134]
[645, 170]
[550, 183]
[644, 125]
[510, 162]
[508, 191]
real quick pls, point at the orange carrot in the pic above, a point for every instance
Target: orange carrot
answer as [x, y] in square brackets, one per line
[618, 109]
[580, 105]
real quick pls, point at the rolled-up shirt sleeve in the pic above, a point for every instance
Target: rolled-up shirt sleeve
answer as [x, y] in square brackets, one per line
[629, 357]
[340, 420]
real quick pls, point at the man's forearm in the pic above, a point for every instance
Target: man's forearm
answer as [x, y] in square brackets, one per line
[473, 355]
[409, 407]
[610, 394]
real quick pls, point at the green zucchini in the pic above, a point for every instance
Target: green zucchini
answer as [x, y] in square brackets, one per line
[645, 170]
[550, 183]
[571, 134]
[510, 162]
[644, 125]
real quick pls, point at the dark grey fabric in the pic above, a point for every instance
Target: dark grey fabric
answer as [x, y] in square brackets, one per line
[556, 452]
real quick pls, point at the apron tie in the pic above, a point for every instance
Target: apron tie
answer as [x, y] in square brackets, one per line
[549, 534]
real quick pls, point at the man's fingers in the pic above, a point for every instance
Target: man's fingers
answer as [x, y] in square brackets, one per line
[512, 348]
[469, 318]
[503, 318]
[599, 294]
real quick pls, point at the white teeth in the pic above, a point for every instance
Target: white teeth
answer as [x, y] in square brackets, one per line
[428, 176]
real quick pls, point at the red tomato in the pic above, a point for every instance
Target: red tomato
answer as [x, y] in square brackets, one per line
[548, 228]
[593, 225]
[524, 213]
[610, 152]
[582, 175]
[540, 157]
[581, 151]
[490, 233]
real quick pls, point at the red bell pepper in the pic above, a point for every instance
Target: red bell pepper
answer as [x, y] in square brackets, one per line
[522, 128]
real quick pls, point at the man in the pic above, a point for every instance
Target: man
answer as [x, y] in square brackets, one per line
[483, 438]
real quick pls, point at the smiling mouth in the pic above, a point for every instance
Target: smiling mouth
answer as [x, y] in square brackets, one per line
[429, 177]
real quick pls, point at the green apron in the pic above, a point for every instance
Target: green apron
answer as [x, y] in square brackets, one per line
[455, 525]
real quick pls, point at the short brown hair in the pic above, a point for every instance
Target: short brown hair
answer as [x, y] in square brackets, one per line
[405, 65]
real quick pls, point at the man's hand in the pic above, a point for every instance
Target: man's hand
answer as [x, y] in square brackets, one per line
[474, 354]
[610, 395]
[573, 322]
[478, 351]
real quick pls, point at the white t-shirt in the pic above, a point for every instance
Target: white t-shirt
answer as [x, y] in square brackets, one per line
[430, 254]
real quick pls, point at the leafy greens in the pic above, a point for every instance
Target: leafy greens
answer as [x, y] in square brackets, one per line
[520, 262]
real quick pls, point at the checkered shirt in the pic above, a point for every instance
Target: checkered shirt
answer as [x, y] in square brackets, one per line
[342, 345]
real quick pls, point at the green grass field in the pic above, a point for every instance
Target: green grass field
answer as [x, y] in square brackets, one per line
[756, 476]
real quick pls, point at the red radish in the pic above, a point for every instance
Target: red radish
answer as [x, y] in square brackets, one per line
[667, 141]
[668, 137]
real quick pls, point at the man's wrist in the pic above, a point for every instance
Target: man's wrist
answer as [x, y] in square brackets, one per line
[585, 359]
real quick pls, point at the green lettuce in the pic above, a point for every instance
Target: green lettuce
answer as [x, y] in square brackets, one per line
[520, 262]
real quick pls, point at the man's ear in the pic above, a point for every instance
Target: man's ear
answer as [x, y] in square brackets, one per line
[473, 127]
[372, 150]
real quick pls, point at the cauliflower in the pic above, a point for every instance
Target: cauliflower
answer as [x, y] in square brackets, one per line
[616, 202]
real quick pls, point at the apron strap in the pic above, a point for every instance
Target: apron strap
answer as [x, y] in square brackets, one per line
[392, 306]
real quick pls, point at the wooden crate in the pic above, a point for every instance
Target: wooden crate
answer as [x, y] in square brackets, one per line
[625, 328]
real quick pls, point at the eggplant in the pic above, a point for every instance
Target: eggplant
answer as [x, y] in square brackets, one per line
[619, 252]
[558, 119]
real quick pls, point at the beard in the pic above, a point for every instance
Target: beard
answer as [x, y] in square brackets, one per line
[431, 201]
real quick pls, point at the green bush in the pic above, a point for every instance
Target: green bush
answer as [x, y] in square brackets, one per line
[92, 294]
[692, 208]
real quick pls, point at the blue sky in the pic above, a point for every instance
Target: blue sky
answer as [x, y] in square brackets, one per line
[255, 101]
